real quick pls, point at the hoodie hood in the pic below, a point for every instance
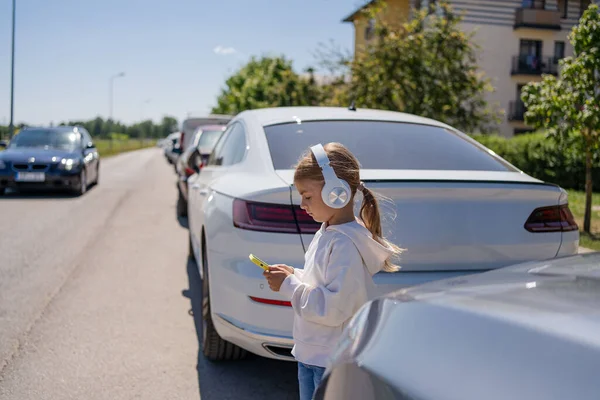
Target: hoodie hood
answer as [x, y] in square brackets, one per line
[372, 252]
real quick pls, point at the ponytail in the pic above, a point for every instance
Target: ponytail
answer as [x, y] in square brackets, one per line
[371, 217]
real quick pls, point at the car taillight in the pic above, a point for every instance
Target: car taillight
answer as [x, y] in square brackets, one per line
[551, 219]
[189, 172]
[271, 302]
[268, 217]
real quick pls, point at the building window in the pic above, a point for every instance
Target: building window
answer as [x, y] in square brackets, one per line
[530, 55]
[536, 4]
[426, 4]
[563, 8]
[370, 29]
[585, 4]
[559, 51]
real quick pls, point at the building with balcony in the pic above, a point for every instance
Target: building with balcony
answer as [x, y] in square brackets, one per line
[519, 40]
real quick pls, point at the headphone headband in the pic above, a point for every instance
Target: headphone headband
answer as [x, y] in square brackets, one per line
[336, 192]
[323, 161]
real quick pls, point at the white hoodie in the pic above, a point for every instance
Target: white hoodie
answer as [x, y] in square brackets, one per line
[335, 283]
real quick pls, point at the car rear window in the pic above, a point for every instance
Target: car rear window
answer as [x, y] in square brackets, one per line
[209, 138]
[382, 145]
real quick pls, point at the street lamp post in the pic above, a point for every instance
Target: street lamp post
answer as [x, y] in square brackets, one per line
[11, 125]
[147, 101]
[142, 133]
[110, 102]
[110, 93]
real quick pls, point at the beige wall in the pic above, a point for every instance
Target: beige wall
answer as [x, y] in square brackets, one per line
[395, 12]
[498, 45]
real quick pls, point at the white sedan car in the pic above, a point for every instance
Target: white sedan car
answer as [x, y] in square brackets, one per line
[456, 207]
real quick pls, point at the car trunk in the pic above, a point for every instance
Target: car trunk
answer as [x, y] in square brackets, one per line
[459, 220]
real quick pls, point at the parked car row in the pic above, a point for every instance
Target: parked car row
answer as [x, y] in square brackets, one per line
[63, 158]
[189, 150]
[171, 147]
[459, 210]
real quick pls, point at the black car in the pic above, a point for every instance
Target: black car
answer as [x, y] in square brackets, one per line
[192, 159]
[62, 157]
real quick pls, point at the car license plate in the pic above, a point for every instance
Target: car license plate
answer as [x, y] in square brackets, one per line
[31, 177]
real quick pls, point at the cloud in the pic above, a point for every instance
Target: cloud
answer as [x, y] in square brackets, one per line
[224, 51]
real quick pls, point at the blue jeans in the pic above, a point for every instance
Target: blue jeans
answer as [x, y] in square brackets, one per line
[309, 377]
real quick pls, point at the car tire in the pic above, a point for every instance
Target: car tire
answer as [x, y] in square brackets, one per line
[181, 206]
[214, 347]
[82, 187]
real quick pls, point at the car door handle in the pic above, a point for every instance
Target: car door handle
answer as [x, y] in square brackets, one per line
[195, 186]
[203, 192]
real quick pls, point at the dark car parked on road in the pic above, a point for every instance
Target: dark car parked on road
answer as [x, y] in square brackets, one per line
[193, 157]
[63, 157]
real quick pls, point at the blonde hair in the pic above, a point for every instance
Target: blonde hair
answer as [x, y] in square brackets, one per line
[347, 168]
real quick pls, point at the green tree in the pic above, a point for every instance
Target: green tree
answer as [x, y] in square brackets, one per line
[266, 82]
[426, 66]
[96, 127]
[568, 106]
[168, 125]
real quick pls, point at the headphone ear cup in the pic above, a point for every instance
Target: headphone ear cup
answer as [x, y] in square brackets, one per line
[336, 194]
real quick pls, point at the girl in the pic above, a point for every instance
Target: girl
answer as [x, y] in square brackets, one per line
[339, 263]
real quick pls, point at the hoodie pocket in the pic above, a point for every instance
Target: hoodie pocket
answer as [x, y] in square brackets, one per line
[316, 334]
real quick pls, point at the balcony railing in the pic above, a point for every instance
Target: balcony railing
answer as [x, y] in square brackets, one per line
[536, 17]
[516, 111]
[534, 65]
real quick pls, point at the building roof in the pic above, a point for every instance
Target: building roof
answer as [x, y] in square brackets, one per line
[351, 17]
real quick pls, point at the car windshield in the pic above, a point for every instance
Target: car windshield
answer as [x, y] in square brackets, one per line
[208, 139]
[383, 145]
[46, 138]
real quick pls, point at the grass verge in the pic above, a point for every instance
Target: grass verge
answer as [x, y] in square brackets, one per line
[577, 206]
[108, 148]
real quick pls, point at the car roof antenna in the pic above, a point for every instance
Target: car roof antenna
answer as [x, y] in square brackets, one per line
[352, 106]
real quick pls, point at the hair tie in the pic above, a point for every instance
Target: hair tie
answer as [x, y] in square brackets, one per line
[361, 186]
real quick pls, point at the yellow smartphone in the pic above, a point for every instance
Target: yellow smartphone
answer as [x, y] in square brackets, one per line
[259, 262]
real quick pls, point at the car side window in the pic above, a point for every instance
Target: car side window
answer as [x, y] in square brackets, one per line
[85, 138]
[212, 160]
[231, 148]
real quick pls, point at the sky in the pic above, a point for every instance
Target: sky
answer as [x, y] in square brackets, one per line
[176, 54]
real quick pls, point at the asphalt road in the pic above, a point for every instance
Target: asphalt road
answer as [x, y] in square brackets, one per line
[97, 297]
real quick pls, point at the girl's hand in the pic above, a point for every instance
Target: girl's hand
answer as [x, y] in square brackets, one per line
[286, 267]
[276, 275]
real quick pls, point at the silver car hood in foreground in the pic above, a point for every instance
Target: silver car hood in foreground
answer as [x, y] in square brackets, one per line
[530, 331]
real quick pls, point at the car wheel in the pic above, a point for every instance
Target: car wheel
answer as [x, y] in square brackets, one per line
[82, 187]
[213, 346]
[181, 206]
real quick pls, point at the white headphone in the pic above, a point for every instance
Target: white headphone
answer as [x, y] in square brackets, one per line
[336, 192]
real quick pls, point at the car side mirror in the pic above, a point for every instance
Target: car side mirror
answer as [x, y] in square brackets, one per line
[3, 144]
[195, 161]
[176, 150]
